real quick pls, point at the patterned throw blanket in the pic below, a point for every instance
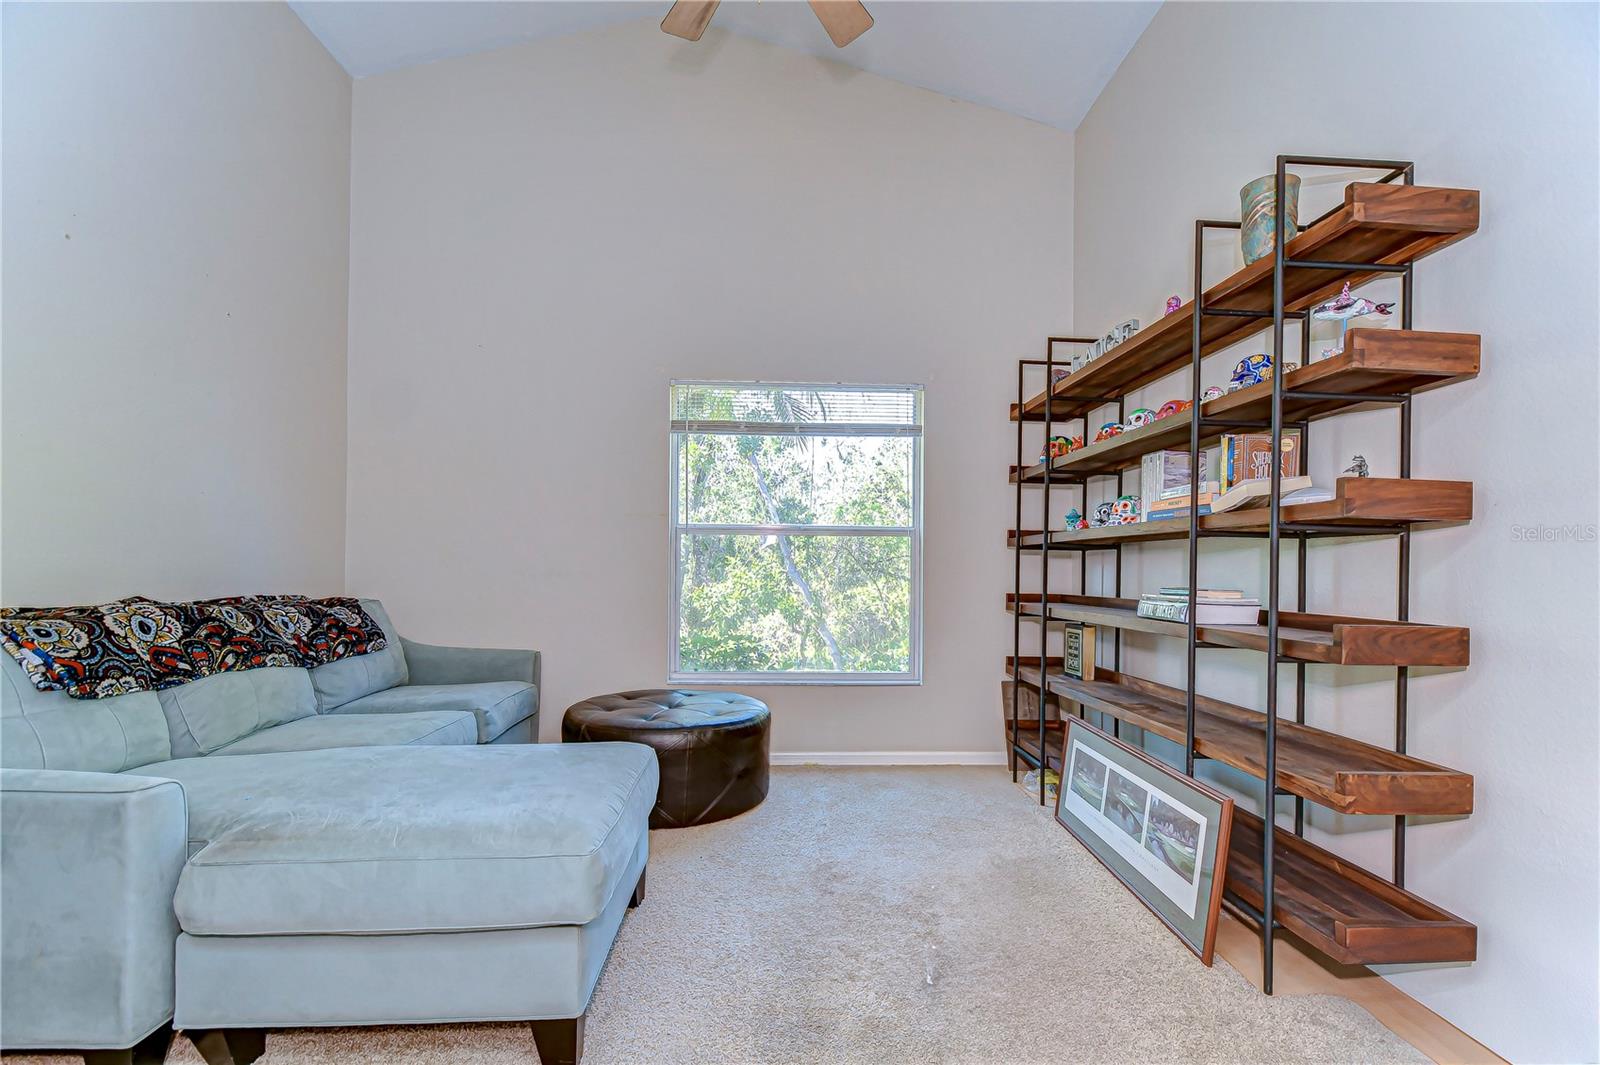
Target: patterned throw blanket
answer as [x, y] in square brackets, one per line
[138, 644]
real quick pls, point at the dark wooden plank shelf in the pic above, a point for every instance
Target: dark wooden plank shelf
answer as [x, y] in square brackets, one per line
[1329, 769]
[1341, 909]
[1374, 362]
[1325, 638]
[1028, 740]
[1379, 505]
[1378, 223]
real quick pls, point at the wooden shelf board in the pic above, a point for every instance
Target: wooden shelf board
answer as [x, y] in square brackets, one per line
[1341, 909]
[1331, 770]
[1380, 504]
[1378, 223]
[1324, 638]
[1028, 740]
[1373, 362]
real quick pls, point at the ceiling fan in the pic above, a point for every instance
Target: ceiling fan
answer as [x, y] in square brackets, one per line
[845, 20]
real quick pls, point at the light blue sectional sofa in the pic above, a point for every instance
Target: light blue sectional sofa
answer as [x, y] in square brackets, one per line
[366, 842]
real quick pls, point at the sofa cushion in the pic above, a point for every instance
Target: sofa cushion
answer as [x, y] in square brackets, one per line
[498, 704]
[210, 713]
[52, 730]
[320, 732]
[410, 839]
[337, 683]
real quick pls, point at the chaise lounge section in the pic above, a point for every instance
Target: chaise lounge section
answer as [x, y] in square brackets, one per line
[365, 842]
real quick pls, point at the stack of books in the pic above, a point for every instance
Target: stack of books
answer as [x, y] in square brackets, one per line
[1178, 506]
[1213, 606]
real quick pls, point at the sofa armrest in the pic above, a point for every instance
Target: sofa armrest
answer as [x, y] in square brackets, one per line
[90, 863]
[430, 664]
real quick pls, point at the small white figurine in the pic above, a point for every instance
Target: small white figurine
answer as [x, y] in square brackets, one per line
[1359, 466]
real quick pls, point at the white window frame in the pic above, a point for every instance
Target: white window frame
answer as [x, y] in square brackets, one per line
[675, 675]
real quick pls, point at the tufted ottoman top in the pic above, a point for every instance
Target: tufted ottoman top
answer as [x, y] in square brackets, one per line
[663, 709]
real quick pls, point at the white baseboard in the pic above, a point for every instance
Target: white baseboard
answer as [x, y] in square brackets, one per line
[889, 758]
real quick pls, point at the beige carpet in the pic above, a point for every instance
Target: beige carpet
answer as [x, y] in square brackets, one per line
[892, 916]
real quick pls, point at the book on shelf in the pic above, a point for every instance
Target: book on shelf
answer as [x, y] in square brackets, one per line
[1254, 493]
[1167, 514]
[1178, 506]
[1165, 475]
[1206, 612]
[1077, 652]
[1204, 593]
[1247, 456]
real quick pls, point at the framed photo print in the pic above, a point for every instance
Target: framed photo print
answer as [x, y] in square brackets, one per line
[1163, 834]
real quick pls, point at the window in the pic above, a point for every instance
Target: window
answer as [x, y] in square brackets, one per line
[796, 533]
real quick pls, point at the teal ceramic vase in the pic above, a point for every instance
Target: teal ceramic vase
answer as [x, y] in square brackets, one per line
[1257, 207]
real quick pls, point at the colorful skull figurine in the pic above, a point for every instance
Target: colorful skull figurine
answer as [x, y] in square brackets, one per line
[1107, 431]
[1173, 406]
[1252, 370]
[1059, 445]
[1125, 511]
[1102, 516]
[1074, 520]
[1140, 418]
[1212, 393]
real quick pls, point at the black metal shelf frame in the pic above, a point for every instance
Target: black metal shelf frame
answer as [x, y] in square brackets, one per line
[1302, 533]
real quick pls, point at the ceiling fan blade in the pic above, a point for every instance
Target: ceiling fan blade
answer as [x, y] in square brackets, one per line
[845, 20]
[689, 18]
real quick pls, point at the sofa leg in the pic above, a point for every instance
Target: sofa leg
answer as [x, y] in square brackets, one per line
[638, 889]
[559, 1042]
[230, 1046]
[151, 1050]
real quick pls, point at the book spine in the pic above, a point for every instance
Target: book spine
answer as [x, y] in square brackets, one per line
[1163, 611]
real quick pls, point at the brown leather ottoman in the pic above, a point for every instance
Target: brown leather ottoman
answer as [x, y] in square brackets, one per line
[712, 747]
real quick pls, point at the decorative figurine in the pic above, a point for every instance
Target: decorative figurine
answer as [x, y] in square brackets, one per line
[1107, 431]
[1059, 446]
[1212, 393]
[1251, 370]
[1342, 308]
[1102, 516]
[1359, 466]
[1074, 520]
[1174, 406]
[1140, 418]
[1173, 303]
[1125, 511]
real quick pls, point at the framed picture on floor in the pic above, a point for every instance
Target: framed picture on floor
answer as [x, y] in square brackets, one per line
[1163, 834]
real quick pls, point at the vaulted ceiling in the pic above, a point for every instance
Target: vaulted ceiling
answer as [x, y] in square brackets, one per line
[1042, 60]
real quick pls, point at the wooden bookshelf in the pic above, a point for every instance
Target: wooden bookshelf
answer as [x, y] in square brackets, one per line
[1378, 223]
[1374, 362]
[1380, 229]
[1360, 504]
[1329, 769]
[1341, 909]
[1326, 638]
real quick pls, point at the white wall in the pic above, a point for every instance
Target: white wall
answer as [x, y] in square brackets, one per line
[543, 237]
[176, 189]
[1497, 98]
